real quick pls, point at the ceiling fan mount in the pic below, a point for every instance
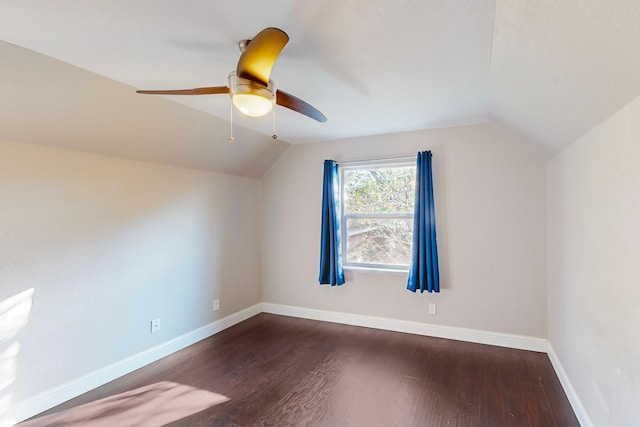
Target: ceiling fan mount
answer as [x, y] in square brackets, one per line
[249, 86]
[242, 44]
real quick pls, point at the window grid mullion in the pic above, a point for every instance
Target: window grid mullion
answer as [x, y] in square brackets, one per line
[378, 216]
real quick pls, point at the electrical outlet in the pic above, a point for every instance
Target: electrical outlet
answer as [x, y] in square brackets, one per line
[432, 308]
[216, 304]
[155, 325]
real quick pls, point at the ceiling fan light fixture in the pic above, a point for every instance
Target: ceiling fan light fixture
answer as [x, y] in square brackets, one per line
[251, 98]
[252, 105]
[252, 92]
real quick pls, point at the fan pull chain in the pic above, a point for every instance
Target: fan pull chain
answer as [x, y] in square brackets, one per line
[231, 138]
[274, 136]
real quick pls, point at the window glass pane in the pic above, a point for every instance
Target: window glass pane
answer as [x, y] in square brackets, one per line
[379, 241]
[379, 190]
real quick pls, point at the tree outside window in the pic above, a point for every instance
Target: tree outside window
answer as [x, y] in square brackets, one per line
[377, 215]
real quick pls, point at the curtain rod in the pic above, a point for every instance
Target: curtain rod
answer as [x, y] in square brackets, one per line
[348, 162]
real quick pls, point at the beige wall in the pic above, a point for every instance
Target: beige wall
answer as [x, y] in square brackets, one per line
[594, 267]
[92, 248]
[491, 217]
[105, 245]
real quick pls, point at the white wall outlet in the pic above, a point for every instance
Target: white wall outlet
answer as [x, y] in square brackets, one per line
[155, 325]
[216, 304]
[432, 308]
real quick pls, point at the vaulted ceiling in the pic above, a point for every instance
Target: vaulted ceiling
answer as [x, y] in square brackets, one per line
[545, 71]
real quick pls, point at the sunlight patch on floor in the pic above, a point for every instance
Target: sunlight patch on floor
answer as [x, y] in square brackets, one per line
[149, 406]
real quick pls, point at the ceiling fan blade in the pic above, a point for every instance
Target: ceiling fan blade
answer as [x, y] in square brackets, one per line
[296, 104]
[196, 91]
[260, 54]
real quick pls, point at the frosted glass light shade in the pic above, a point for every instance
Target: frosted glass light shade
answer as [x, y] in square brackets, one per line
[251, 98]
[252, 105]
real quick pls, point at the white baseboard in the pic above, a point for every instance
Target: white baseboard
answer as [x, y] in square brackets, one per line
[57, 395]
[450, 332]
[574, 400]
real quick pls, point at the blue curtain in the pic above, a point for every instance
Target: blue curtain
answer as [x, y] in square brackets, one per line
[331, 272]
[423, 273]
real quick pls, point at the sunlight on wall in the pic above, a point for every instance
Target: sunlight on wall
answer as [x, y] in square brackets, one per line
[152, 405]
[14, 315]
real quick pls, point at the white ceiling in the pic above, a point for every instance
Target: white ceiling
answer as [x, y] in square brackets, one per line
[560, 67]
[546, 71]
[45, 101]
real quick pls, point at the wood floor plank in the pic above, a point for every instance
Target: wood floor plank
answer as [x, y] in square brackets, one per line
[537, 403]
[470, 386]
[512, 392]
[492, 405]
[278, 371]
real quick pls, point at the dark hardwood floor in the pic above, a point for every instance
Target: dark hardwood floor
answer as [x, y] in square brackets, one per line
[283, 371]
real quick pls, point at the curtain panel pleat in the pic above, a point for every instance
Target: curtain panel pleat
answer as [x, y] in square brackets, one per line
[423, 273]
[331, 271]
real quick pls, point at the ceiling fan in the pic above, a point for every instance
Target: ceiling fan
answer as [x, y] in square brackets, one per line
[250, 88]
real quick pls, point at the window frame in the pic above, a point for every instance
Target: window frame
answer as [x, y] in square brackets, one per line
[360, 165]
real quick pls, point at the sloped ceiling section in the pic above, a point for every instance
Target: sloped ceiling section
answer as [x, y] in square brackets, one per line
[370, 66]
[45, 101]
[544, 71]
[559, 68]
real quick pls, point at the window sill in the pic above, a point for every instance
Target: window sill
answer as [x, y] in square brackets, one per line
[376, 269]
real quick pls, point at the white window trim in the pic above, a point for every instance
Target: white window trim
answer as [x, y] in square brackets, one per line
[369, 164]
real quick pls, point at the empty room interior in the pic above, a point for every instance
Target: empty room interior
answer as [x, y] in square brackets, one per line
[161, 254]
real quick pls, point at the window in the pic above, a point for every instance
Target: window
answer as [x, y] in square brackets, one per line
[377, 214]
